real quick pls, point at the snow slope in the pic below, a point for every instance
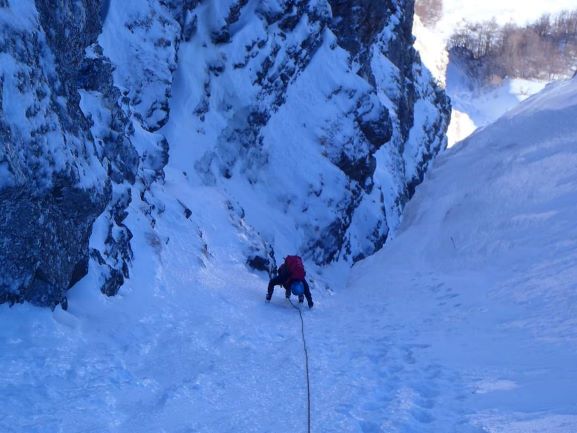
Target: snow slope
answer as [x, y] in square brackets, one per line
[481, 279]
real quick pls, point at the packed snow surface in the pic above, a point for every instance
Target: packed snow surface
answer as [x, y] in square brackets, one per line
[465, 322]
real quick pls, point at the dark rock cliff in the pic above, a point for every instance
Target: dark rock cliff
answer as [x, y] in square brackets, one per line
[53, 185]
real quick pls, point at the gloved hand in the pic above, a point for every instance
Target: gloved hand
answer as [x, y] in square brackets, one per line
[268, 296]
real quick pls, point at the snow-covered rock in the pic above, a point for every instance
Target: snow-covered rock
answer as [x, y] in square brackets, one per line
[52, 182]
[314, 120]
[327, 134]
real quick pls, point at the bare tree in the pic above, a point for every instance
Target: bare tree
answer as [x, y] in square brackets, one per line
[545, 49]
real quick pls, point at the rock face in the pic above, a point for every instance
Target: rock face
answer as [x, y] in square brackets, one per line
[97, 94]
[52, 185]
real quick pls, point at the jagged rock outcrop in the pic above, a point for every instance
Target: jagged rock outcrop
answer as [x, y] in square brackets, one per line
[321, 109]
[52, 184]
[128, 105]
[354, 61]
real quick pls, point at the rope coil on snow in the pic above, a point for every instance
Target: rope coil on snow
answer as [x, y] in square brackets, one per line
[306, 366]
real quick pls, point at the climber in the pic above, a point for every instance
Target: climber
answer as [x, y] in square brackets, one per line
[291, 275]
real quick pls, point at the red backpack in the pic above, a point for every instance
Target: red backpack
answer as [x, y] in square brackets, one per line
[295, 266]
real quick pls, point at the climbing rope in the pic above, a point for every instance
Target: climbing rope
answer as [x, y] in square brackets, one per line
[306, 365]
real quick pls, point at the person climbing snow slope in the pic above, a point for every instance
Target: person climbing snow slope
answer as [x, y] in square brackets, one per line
[291, 275]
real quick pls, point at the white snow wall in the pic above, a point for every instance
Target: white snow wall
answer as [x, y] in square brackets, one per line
[315, 119]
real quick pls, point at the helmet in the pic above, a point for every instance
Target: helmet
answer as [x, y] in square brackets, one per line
[298, 288]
